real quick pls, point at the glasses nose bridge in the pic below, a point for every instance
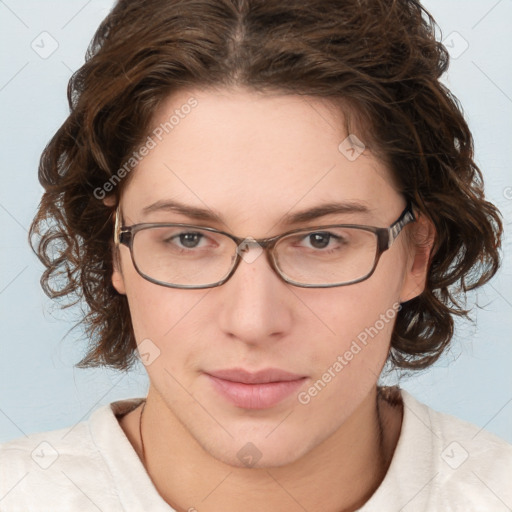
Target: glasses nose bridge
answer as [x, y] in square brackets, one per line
[265, 243]
[261, 245]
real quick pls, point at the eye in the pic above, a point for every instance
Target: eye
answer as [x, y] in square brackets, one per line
[190, 240]
[319, 240]
[177, 238]
[323, 240]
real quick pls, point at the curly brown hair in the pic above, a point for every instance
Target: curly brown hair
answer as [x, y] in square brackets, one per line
[380, 57]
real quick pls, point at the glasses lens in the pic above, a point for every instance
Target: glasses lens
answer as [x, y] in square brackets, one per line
[195, 257]
[184, 256]
[334, 255]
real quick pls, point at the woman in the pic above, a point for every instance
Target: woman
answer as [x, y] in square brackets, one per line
[269, 204]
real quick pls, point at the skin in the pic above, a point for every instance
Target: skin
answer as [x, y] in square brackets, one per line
[253, 158]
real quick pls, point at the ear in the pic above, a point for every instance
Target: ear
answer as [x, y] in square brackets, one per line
[110, 200]
[117, 274]
[421, 247]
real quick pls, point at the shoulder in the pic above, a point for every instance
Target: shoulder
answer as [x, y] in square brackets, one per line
[37, 469]
[444, 463]
[464, 467]
[461, 443]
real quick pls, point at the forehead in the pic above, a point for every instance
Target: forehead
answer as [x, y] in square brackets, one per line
[253, 156]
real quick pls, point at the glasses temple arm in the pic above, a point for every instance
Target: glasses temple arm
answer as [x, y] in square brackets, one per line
[117, 225]
[406, 217]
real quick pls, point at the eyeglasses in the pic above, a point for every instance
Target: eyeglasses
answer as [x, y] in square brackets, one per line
[189, 256]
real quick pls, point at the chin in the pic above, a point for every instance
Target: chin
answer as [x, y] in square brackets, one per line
[260, 451]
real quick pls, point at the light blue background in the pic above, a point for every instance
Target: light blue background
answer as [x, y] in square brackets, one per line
[40, 389]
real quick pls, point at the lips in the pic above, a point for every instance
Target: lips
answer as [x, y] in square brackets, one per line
[260, 377]
[255, 390]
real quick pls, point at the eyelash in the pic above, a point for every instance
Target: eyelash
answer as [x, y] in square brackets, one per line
[332, 237]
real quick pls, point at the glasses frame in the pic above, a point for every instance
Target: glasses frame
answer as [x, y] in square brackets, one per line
[125, 235]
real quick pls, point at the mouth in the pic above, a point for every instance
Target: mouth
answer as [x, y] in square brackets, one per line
[255, 390]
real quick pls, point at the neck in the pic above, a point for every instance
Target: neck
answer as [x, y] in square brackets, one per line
[340, 474]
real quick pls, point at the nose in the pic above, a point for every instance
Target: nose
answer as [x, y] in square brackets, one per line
[254, 305]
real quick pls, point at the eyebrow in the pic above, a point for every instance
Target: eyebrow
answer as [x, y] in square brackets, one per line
[205, 214]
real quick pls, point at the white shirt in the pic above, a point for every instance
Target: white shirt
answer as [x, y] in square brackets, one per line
[440, 464]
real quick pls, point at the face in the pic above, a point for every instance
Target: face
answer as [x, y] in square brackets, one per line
[252, 159]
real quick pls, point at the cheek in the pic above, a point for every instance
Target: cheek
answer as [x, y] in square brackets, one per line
[162, 312]
[154, 309]
[347, 363]
[164, 320]
[356, 324]
[168, 333]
